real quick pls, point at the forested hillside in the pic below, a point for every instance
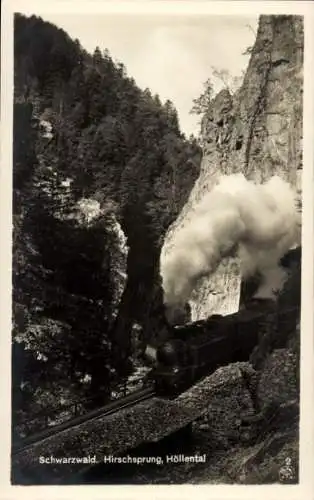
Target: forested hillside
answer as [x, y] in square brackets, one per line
[85, 135]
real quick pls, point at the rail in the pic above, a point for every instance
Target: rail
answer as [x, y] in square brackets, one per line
[63, 412]
[110, 408]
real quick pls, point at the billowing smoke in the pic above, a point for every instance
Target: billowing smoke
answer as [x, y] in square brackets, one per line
[259, 223]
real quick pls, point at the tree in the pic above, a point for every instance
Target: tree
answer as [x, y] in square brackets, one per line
[97, 57]
[231, 83]
[110, 141]
[172, 116]
[202, 103]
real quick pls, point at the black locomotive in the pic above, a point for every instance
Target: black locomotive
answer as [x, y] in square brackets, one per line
[198, 349]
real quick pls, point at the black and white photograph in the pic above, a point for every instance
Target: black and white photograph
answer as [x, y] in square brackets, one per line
[157, 213]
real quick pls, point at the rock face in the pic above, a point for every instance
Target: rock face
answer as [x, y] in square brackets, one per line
[86, 212]
[257, 131]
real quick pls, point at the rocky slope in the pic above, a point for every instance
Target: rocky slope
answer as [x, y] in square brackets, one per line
[256, 131]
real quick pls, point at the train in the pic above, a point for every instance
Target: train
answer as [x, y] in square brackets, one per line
[197, 349]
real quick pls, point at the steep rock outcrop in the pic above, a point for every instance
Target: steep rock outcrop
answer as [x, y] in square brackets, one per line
[256, 131]
[88, 210]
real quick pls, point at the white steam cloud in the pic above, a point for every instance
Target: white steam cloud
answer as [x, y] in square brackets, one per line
[259, 223]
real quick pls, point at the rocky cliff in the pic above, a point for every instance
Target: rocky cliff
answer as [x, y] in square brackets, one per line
[256, 131]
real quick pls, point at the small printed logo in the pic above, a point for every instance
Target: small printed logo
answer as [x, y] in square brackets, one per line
[286, 472]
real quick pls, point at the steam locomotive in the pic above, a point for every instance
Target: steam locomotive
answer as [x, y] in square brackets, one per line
[198, 349]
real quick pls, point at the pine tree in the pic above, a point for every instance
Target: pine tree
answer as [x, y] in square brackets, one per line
[201, 103]
[112, 142]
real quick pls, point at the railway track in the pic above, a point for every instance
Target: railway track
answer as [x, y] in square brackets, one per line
[110, 408]
[115, 406]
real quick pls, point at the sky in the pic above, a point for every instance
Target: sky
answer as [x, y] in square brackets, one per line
[172, 55]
